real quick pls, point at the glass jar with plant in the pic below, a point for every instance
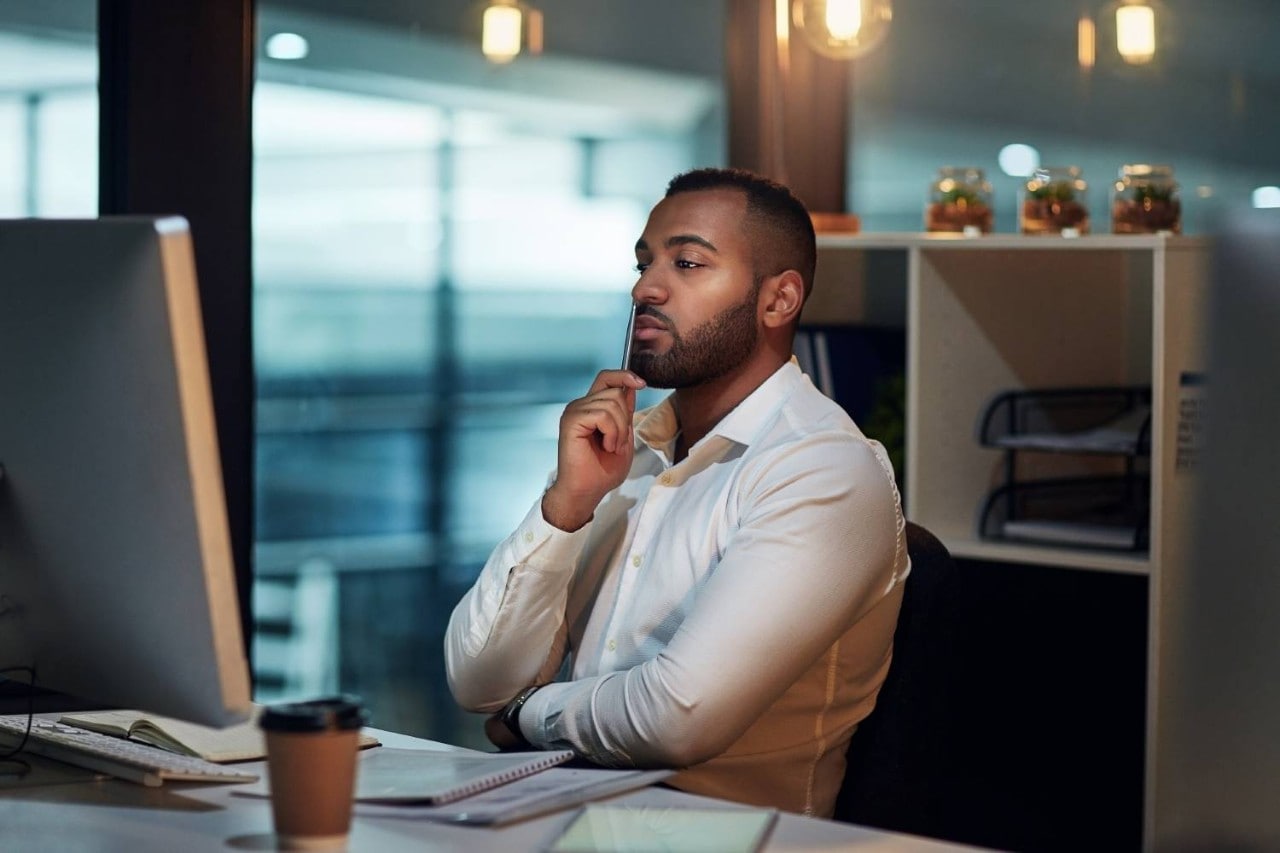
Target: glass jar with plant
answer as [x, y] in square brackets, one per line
[1145, 201]
[1053, 202]
[959, 201]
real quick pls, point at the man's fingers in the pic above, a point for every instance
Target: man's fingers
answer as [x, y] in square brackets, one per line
[615, 379]
[606, 415]
[620, 401]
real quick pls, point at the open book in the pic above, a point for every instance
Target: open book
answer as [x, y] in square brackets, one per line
[243, 742]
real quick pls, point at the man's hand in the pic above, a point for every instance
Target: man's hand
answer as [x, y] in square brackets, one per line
[595, 451]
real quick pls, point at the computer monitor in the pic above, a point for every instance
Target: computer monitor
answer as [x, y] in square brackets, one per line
[1218, 713]
[116, 577]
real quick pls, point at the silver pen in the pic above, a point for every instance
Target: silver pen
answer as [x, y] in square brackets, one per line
[631, 328]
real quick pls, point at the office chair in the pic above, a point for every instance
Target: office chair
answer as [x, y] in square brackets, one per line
[903, 773]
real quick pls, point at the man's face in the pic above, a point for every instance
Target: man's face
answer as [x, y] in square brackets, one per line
[697, 291]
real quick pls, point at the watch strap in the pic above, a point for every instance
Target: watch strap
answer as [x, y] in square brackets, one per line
[511, 713]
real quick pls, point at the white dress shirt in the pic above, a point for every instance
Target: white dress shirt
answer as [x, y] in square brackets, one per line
[732, 614]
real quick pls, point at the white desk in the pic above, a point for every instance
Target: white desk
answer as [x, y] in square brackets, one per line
[110, 815]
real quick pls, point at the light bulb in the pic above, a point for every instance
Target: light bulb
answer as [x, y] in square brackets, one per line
[1136, 33]
[1086, 42]
[1018, 160]
[844, 19]
[287, 46]
[842, 29]
[1266, 197]
[500, 38]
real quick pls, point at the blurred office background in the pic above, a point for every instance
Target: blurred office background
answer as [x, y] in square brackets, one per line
[442, 246]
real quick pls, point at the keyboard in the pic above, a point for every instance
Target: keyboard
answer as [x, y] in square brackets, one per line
[123, 759]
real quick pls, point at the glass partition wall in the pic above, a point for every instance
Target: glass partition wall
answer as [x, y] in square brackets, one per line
[48, 110]
[442, 259]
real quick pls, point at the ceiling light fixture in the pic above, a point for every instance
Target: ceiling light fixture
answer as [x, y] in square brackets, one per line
[509, 28]
[1136, 32]
[1266, 197]
[1018, 160]
[1086, 42]
[287, 46]
[842, 29]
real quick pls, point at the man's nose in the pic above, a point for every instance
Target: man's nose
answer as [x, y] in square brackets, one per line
[649, 289]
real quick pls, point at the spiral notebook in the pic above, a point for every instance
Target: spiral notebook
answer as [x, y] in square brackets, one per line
[429, 777]
[544, 792]
[414, 775]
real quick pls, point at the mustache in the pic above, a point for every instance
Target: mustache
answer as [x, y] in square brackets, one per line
[650, 311]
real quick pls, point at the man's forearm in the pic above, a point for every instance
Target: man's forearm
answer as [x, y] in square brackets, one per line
[509, 626]
[491, 655]
[629, 719]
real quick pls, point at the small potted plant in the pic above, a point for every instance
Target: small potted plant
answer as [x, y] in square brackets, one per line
[959, 201]
[1145, 201]
[1053, 202]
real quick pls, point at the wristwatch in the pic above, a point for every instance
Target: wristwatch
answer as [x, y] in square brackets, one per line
[510, 715]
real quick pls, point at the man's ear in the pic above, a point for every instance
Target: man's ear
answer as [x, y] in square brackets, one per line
[782, 297]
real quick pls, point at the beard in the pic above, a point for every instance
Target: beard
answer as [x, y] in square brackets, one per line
[709, 350]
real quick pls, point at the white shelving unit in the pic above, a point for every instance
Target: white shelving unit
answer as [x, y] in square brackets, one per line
[1009, 312]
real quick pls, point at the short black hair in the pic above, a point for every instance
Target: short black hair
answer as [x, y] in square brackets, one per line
[783, 237]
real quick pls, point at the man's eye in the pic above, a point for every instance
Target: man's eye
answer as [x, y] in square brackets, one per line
[687, 265]
[641, 267]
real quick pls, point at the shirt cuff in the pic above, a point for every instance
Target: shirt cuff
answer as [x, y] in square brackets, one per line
[538, 544]
[538, 716]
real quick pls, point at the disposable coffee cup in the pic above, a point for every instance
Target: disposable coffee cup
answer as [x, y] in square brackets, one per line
[311, 765]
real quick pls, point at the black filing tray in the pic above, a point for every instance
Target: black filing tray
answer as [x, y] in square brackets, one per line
[1109, 510]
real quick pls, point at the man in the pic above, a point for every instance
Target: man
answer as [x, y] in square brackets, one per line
[711, 584]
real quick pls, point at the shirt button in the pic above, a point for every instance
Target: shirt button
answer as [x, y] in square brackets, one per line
[613, 645]
[528, 536]
[635, 561]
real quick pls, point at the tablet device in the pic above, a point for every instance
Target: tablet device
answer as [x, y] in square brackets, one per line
[600, 828]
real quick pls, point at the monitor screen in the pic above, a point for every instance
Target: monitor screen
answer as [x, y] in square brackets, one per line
[1217, 766]
[116, 578]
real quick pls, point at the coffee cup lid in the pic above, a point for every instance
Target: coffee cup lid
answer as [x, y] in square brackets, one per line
[317, 715]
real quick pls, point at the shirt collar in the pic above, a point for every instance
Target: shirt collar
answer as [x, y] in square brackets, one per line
[657, 426]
